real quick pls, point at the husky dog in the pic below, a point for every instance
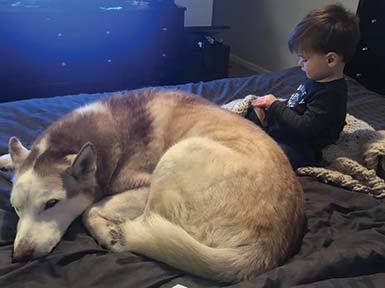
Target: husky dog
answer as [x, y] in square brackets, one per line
[162, 173]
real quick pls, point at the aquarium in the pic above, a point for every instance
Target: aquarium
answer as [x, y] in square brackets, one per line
[63, 47]
[82, 4]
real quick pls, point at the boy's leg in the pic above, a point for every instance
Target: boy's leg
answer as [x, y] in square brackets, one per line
[297, 157]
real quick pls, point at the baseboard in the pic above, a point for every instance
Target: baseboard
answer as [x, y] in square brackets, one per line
[247, 64]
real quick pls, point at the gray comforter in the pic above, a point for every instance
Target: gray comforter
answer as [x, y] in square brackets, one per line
[344, 244]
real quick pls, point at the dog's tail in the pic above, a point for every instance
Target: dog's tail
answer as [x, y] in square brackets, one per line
[157, 238]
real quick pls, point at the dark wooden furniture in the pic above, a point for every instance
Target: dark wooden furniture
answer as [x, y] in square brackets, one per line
[47, 52]
[205, 58]
[368, 64]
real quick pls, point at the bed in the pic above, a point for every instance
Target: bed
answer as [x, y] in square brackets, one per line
[343, 246]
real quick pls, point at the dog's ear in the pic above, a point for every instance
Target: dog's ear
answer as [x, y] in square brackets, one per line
[84, 164]
[18, 152]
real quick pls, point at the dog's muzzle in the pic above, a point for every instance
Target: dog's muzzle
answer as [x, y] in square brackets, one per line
[22, 253]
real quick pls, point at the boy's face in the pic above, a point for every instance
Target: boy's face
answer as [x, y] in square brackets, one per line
[315, 65]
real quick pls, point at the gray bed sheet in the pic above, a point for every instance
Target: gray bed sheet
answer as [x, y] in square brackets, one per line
[344, 243]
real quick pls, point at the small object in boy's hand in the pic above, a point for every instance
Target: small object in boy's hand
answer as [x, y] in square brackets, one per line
[261, 114]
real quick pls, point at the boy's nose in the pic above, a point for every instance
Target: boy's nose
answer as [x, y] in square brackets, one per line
[300, 62]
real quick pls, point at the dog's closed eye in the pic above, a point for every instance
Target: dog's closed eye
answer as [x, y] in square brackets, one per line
[50, 203]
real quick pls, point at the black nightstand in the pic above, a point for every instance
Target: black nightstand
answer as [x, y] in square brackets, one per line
[368, 64]
[205, 58]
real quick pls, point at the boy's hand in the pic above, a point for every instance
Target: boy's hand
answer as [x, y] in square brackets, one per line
[264, 102]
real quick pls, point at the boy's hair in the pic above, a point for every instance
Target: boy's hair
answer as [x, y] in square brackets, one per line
[330, 28]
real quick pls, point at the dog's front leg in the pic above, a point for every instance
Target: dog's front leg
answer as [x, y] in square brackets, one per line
[6, 162]
[103, 220]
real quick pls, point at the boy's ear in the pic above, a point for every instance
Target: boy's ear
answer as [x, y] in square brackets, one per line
[333, 59]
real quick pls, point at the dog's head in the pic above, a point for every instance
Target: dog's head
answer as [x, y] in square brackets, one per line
[50, 190]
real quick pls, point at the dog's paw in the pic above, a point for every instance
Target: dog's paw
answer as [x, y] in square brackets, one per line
[106, 232]
[115, 240]
[6, 163]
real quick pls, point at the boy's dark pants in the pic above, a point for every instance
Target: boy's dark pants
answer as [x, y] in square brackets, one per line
[298, 156]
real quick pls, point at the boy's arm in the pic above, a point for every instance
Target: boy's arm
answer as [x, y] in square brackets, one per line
[318, 116]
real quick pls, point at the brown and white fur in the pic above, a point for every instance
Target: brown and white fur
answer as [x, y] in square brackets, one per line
[165, 174]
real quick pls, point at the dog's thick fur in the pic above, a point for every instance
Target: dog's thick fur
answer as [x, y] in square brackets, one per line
[165, 174]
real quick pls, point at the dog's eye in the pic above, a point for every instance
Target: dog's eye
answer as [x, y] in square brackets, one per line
[50, 203]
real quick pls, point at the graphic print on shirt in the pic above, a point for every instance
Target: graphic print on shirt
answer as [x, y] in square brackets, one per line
[296, 101]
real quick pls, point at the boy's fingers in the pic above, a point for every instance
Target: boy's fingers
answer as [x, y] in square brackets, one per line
[258, 106]
[257, 101]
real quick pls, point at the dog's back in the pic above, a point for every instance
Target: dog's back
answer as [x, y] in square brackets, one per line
[221, 179]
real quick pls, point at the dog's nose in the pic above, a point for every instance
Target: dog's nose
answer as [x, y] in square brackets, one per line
[22, 254]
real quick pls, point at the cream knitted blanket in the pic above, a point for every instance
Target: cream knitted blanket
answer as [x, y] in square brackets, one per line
[355, 162]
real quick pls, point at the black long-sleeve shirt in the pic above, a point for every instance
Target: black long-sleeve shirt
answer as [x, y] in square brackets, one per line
[312, 118]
